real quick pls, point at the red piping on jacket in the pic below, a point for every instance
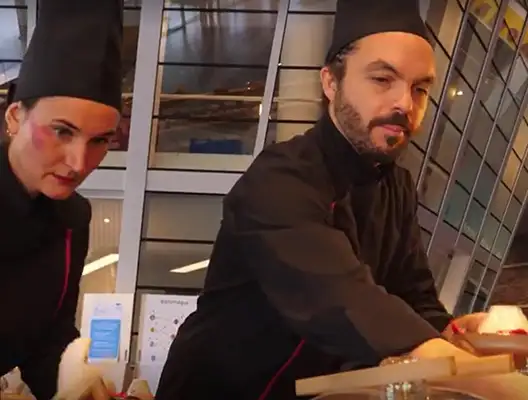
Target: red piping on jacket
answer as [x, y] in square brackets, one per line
[67, 264]
[281, 370]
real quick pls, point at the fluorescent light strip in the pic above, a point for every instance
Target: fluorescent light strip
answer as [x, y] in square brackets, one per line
[191, 267]
[100, 263]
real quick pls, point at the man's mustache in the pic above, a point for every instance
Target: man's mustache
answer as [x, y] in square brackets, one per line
[396, 119]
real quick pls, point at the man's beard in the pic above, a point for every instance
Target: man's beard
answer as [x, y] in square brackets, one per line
[359, 134]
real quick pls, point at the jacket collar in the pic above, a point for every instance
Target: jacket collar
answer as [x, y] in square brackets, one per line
[345, 163]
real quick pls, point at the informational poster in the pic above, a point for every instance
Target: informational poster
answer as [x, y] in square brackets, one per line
[161, 317]
[106, 320]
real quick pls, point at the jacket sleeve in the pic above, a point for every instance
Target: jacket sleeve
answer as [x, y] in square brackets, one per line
[310, 274]
[40, 372]
[415, 282]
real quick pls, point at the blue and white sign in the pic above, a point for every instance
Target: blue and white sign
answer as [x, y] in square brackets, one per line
[105, 336]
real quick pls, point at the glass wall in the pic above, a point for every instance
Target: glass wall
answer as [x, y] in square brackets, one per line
[14, 33]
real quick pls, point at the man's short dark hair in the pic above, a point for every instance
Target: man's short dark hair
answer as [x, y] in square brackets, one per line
[337, 68]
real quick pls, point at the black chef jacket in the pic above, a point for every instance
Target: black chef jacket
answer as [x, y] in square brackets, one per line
[318, 267]
[43, 244]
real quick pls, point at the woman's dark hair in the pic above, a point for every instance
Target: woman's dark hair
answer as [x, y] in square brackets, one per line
[28, 104]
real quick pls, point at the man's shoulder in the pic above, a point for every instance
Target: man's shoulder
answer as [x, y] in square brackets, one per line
[285, 172]
[297, 160]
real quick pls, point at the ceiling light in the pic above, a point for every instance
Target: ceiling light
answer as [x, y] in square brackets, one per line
[100, 263]
[106, 220]
[459, 93]
[191, 267]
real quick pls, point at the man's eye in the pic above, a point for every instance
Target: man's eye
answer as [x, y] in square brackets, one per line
[381, 79]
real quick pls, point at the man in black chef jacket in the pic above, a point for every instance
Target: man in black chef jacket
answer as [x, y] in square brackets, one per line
[318, 265]
[64, 110]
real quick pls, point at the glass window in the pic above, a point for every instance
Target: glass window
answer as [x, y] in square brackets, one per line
[442, 65]
[103, 253]
[433, 187]
[500, 200]
[412, 160]
[14, 23]
[501, 245]
[467, 173]
[209, 91]
[445, 144]
[522, 185]
[508, 115]
[443, 17]
[458, 100]
[512, 213]
[475, 273]
[510, 172]
[313, 6]
[480, 128]
[160, 263]
[490, 230]
[491, 90]
[179, 231]
[422, 139]
[521, 139]
[473, 220]
[278, 131]
[185, 217]
[489, 279]
[470, 59]
[204, 5]
[131, 17]
[456, 205]
[485, 184]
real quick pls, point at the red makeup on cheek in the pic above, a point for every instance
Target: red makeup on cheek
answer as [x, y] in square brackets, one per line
[40, 134]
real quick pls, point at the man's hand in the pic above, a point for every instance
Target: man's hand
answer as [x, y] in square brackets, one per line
[467, 323]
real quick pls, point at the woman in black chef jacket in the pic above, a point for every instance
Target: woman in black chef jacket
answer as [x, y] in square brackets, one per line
[64, 110]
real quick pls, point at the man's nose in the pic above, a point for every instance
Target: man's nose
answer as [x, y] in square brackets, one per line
[404, 103]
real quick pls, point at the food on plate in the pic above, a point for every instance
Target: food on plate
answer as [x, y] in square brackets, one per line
[505, 320]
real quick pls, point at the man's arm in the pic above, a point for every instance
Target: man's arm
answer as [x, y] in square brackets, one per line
[411, 274]
[40, 371]
[308, 269]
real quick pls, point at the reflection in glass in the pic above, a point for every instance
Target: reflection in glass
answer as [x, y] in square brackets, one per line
[207, 37]
[205, 5]
[14, 24]
[159, 262]
[456, 205]
[422, 138]
[458, 100]
[444, 18]
[433, 187]
[445, 143]
[321, 6]
[209, 91]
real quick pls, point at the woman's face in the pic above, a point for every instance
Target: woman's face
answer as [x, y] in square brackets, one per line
[56, 144]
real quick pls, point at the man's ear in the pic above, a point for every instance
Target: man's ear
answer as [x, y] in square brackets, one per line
[13, 117]
[329, 83]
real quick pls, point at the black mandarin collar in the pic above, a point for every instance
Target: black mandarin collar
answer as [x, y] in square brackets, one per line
[73, 212]
[345, 163]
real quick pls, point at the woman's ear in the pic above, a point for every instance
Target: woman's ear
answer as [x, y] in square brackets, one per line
[13, 117]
